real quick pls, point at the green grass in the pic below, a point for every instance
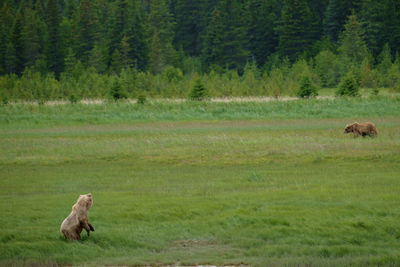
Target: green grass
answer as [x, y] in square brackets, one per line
[172, 188]
[34, 116]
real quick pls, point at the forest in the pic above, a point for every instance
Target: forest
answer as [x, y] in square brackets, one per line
[76, 49]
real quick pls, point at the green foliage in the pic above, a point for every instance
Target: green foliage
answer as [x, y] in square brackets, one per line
[348, 86]
[199, 91]
[141, 99]
[73, 98]
[307, 88]
[353, 48]
[117, 92]
[4, 99]
[225, 40]
[172, 74]
[328, 68]
[298, 30]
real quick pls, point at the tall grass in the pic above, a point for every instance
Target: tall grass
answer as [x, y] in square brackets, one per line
[22, 115]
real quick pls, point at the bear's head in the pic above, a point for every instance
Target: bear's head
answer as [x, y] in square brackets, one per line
[349, 128]
[84, 202]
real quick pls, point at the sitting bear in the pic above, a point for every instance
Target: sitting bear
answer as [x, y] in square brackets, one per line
[78, 219]
[364, 129]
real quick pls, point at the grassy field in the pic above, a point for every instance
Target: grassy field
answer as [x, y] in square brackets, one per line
[214, 183]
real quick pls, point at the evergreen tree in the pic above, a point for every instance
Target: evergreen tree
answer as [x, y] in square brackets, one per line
[199, 91]
[69, 61]
[372, 16]
[6, 23]
[54, 52]
[332, 24]
[17, 45]
[262, 22]
[86, 30]
[116, 61]
[162, 25]
[298, 30]
[98, 57]
[352, 45]
[191, 18]
[10, 59]
[391, 29]
[225, 42]
[125, 53]
[31, 38]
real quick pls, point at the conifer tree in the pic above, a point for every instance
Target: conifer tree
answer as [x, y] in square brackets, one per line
[161, 27]
[31, 37]
[352, 45]
[332, 24]
[6, 23]
[225, 41]
[17, 47]
[263, 17]
[54, 52]
[298, 30]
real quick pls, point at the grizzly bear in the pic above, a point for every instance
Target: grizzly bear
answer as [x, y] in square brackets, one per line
[364, 129]
[78, 219]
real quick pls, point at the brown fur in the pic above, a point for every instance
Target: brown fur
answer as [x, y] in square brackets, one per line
[363, 129]
[78, 219]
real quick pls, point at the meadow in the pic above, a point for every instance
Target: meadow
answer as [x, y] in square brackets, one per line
[255, 183]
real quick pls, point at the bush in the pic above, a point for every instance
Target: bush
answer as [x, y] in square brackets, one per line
[307, 89]
[348, 86]
[4, 100]
[117, 92]
[141, 99]
[73, 98]
[199, 91]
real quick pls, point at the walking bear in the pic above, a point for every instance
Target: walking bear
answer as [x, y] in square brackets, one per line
[363, 129]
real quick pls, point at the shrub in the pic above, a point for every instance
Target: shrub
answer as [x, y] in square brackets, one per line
[117, 92]
[348, 86]
[307, 89]
[199, 91]
[172, 74]
[4, 100]
[141, 99]
[73, 98]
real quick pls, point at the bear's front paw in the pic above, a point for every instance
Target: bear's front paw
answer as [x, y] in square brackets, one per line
[91, 227]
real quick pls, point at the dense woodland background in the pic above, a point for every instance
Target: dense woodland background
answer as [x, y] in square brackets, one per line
[58, 49]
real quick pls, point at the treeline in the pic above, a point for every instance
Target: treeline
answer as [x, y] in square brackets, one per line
[51, 49]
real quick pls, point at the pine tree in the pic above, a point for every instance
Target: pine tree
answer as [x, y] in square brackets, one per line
[31, 37]
[98, 57]
[125, 53]
[161, 27]
[372, 16]
[10, 59]
[69, 61]
[298, 30]
[225, 42]
[86, 30]
[262, 22]
[17, 45]
[54, 53]
[352, 45]
[199, 91]
[332, 24]
[191, 24]
[6, 23]
[116, 61]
